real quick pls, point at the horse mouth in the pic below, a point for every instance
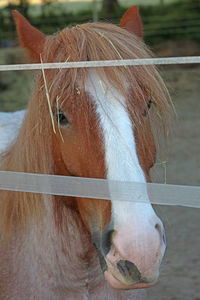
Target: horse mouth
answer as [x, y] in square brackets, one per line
[117, 281]
[125, 275]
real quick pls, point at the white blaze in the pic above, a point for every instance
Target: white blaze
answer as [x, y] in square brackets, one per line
[120, 148]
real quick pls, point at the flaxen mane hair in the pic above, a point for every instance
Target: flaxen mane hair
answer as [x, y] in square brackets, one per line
[32, 150]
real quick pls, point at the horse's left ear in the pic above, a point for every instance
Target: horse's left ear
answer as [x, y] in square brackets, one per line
[30, 38]
[131, 21]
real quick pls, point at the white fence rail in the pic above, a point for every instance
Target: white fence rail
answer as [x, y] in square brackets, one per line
[162, 194]
[104, 63]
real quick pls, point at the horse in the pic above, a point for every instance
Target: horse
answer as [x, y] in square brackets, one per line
[84, 122]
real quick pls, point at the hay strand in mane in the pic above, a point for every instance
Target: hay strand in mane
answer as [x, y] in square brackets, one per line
[57, 108]
[104, 36]
[47, 96]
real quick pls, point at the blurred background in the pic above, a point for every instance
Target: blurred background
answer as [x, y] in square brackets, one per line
[163, 20]
[171, 28]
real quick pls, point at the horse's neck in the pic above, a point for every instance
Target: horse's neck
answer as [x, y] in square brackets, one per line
[49, 264]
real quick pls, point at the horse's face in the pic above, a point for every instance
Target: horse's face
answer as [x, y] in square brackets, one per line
[131, 245]
[100, 140]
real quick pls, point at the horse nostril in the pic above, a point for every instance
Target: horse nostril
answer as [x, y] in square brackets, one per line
[164, 237]
[107, 239]
[161, 231]
[129, 270]
[158, 227]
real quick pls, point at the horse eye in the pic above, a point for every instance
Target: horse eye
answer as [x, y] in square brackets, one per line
[149, 102]
[61, 118]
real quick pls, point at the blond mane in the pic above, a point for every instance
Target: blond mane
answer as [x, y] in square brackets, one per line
[32, 150]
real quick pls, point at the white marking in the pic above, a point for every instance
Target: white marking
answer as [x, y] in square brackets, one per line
[120, 149]
[10, 124]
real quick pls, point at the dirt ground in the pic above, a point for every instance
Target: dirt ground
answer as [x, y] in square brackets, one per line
[180, 271]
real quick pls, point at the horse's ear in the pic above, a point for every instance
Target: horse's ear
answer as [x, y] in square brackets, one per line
[30, 38]
[131, 21]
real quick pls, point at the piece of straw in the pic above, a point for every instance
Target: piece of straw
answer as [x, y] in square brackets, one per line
[57, 98]
[116, 50]
[102, 87]
[78, 91]
[47, 95]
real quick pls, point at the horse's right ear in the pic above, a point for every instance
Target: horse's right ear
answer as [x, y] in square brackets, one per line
[30, 38]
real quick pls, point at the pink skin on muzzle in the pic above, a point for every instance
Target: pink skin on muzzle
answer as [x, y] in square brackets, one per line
[137, 249]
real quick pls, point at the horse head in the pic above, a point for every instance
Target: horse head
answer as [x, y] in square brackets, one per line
[102, 129]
